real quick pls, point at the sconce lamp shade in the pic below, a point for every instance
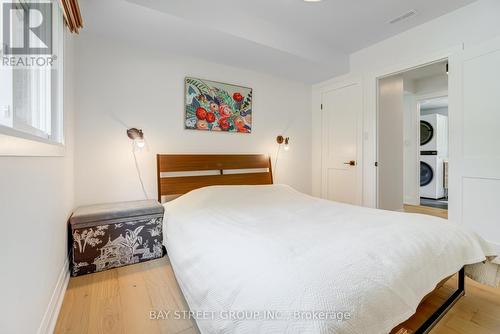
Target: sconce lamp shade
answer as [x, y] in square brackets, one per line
[137, 136]
[134, 133]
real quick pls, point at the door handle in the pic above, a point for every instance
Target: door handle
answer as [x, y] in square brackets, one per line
[350, 163]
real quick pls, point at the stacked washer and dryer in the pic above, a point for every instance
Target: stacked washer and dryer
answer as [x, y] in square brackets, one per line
[433, 155]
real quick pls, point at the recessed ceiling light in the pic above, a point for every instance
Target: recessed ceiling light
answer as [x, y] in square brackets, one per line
[312, 0]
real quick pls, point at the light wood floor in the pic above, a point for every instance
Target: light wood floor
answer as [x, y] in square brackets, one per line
[119, 301]
[427, 210]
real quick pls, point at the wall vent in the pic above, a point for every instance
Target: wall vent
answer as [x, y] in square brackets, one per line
[405, 16]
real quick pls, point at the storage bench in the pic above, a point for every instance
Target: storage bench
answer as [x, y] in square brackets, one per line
[113, 235]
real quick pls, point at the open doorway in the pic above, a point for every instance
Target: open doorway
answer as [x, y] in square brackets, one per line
[434, 152]
[412, 146]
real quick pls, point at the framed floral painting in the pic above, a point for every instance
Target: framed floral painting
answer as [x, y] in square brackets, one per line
[216, 106]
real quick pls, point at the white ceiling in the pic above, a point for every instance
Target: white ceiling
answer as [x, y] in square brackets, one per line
[440, 102]
[308, 42]
[438, 68]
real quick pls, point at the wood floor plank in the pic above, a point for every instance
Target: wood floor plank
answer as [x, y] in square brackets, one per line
[77, 299]
[487, 321]
[135, 301]
[441, 328]
[105, 314]
[465, 327]
[191, 330]
[165, 296]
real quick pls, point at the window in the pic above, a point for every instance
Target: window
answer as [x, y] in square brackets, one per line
[31, 79]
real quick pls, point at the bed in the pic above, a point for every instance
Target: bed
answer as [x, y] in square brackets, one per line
[254, 257]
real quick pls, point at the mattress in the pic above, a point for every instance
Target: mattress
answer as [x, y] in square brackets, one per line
[269, 259]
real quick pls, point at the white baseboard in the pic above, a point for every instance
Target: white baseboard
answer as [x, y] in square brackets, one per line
[49, 319]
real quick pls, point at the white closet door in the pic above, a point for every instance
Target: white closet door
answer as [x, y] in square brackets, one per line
[341, 129]
[475, 140]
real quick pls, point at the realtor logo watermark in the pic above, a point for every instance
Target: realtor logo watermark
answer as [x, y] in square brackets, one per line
[27, 34]
[239, 315]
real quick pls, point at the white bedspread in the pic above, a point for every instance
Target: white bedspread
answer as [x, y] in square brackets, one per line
[271, 248]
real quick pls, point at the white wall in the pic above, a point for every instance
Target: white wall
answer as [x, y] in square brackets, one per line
[36, 199]
[434, 40]
[120, 86]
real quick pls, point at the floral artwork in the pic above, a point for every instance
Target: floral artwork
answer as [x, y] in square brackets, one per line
[215, 106]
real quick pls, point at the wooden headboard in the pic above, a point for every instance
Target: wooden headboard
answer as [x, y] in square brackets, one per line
[191, 163]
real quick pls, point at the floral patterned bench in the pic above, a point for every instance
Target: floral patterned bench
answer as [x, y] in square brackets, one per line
[113, 235]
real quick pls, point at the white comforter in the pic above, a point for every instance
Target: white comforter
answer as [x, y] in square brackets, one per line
[271, 248]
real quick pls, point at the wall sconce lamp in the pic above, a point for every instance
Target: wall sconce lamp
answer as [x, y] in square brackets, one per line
[138, 144]
[283, 140]
[138, 138]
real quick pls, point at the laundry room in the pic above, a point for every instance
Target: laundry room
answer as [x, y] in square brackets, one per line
[434, 152]
[413, 144]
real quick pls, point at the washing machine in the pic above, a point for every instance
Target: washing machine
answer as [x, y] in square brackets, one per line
[434, 134]
[431, 176]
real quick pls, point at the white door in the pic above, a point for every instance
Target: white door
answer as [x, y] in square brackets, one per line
[341, 169]
[474, 118]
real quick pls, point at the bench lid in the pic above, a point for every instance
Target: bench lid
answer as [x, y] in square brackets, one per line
[110, 211]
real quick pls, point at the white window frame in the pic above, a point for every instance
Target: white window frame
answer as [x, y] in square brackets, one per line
[14, 142]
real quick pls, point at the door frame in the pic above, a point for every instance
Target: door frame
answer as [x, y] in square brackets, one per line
[372, 101]
[339, 83]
